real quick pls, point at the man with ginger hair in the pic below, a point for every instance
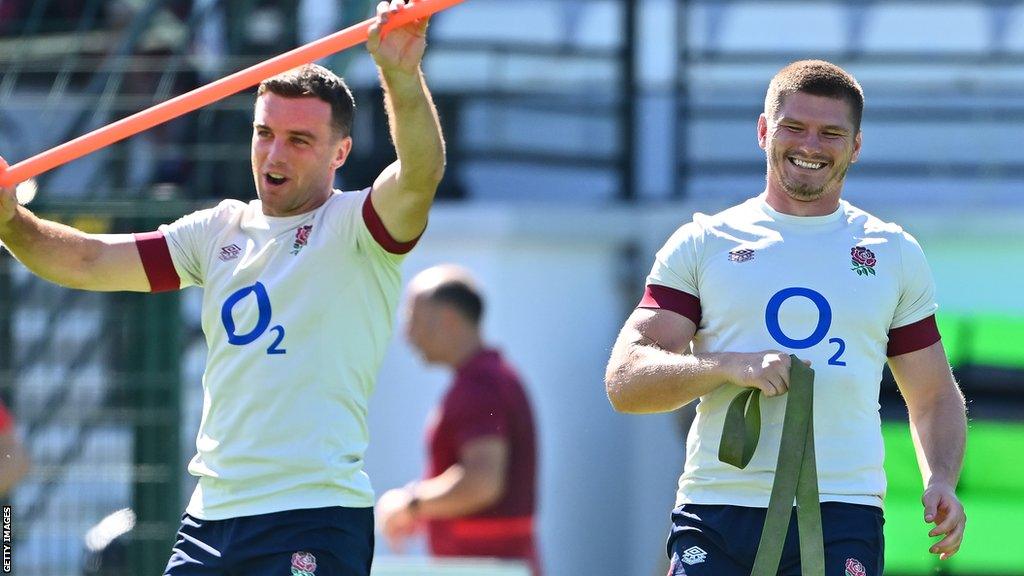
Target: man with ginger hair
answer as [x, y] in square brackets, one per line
[795, 270]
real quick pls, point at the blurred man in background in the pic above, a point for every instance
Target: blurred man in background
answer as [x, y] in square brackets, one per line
[795, 269]
[300, 288]
[479, 494]
[14, 461]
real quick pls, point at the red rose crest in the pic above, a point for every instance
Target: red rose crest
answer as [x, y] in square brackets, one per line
[863, 261]
[855, 568]
[301, 237]
[303, 564]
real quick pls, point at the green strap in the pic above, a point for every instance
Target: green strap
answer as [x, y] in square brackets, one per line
[742, 429]
[795, 472]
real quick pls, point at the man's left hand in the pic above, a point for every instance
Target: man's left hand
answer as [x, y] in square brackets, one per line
[943, 508]
[400, 49]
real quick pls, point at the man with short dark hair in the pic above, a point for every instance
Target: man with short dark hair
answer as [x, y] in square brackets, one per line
[795, 270]
[300, 288]
[478, 496]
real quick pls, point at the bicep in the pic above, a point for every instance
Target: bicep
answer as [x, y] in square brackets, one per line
[662, 328]
[116, 265]
[923, 375]
[403, 212]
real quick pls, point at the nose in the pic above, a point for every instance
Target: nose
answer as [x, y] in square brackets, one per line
[274, 152]
[811, 141]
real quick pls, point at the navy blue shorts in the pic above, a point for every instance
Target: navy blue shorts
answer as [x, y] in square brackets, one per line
[722, 540]
[331, 541]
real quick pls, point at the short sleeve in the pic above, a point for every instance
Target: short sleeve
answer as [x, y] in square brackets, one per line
[475, 412]
[917, 288]
[356, 222]
[188, 239]
[675, 265]
[373, 224]
[672, 283]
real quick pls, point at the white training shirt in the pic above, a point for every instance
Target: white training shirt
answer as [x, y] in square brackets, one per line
[297, 312]
[754, 279]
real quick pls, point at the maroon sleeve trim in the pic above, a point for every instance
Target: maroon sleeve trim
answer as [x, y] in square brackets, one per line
[665, 298]
[380, 232]
[156, 259]
[913, 337]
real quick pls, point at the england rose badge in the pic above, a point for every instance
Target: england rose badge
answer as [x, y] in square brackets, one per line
[303, 564]
[863, 261]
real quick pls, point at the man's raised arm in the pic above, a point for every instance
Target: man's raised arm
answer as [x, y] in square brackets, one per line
[404, 191]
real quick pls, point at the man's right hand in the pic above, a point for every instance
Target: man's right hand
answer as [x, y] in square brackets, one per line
[767, 371]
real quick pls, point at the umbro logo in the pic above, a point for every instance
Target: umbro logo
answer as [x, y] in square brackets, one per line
[694, 555]
[741, 255]
[229, 252]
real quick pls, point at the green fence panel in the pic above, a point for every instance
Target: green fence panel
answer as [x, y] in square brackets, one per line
[983, 339]
[992, 493]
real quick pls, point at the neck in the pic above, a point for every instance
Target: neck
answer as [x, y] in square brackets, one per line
[312, 203]
[783, 203]
[463, 349]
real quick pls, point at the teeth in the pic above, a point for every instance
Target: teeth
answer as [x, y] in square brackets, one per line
[275, 175]
[805, 164]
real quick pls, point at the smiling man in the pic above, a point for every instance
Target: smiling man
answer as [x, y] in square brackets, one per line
[300, 290]
[795, 270]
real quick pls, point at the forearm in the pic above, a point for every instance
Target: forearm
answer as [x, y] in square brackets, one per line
[939, 431]
[51, 250]
[648, 379]
[415, 130]
[454, 493]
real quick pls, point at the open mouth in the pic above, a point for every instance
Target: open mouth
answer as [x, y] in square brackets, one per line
[274, 178]
[806, 164]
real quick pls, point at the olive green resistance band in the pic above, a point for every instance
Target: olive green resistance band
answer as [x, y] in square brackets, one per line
[796, 473]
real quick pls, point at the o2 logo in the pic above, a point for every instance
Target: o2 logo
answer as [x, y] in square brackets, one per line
[771, 320]
[259, 291]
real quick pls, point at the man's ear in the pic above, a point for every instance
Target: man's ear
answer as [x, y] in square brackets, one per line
[342, 152]
[762, 131]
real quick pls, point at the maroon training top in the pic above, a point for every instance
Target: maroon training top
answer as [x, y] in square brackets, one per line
[487, 399]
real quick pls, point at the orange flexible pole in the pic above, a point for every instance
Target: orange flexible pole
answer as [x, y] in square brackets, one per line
[210, 93]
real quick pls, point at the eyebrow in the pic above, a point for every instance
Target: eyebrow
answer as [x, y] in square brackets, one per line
[303, 133]
[835, 127]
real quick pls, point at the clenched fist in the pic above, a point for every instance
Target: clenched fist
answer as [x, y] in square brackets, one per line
[767, 371]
